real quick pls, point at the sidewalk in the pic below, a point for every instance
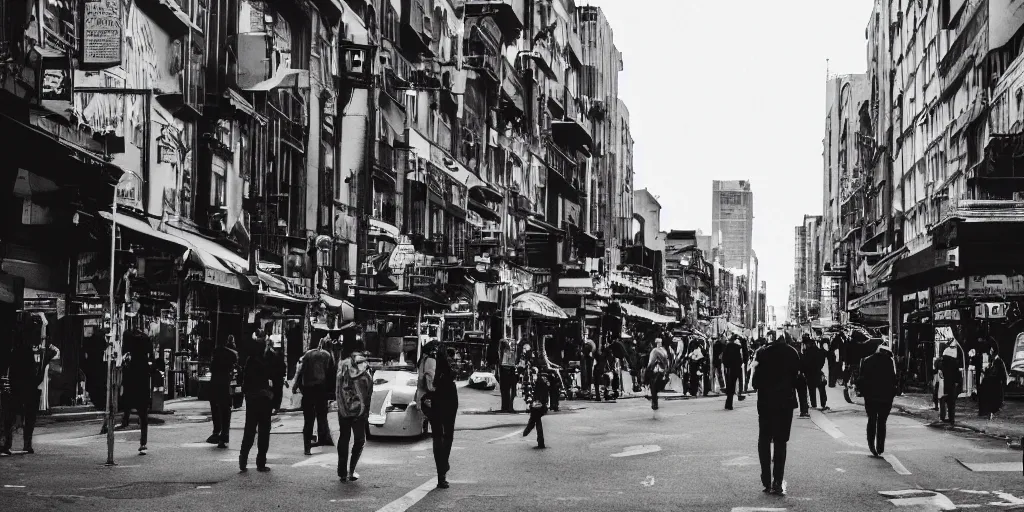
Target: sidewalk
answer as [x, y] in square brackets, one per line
[1007, 424]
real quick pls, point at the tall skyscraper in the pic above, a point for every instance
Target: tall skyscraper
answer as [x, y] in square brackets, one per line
[732, 221]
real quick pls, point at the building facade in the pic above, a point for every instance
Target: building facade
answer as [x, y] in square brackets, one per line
[732, 221]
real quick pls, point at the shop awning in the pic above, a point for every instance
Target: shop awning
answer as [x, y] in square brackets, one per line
[271, 294]
[643, 314]
[344, 307]
[486, 193]
[544, 226]
[283, 78]
[537, 305]
[215, 271]
[236, 262]
[575, 285]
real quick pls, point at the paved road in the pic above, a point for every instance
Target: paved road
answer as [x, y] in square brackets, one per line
[691, 455]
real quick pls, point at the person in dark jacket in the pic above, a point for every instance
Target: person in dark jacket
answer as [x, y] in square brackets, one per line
[26, 369]
[659, 363]
[539, 407]
[950, 366]
[801, 381]
[732, 361]
[258, 386]
[993, 384]
[877, 383]
[353, 390]
[776, 368]
[279, 374]
[136, 381]
[222, 366]
[718, 370]
[438, 398]
[314, 376]
[812, 360]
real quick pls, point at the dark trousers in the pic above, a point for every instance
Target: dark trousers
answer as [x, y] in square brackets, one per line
[816, 386]
[507, 381]
[733, 376]
[143, 412]
[695, 382]
[314, 409]
[351, 428]
[658, 384]
[28, 403]
[833, 372]
[801, 391]
[720, 375]
[774, 425]
[442, 430]
[553, 398]
[220, 409]
[587, 373]
[535, 422]
[947, 405]
[257, 418]
[878, 413]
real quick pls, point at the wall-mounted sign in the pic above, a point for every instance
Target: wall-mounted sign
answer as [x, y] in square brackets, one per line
[101, 35]
[954, 288]
[991, 310]
[42, 305]
[87, 307]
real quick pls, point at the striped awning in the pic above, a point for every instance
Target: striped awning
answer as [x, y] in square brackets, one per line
[643, 314]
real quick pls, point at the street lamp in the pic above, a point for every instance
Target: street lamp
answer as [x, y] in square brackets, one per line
[113, 326]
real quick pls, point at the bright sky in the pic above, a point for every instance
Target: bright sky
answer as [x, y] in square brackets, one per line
[735, 90]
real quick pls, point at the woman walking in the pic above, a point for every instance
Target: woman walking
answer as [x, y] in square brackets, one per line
[353, 389]
[539, 406]
[259, 395]
[993, 385]
[136, 385]
[439, 400]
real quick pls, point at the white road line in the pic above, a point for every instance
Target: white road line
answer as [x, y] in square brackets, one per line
[757, 509]
[642, 449]
[896, 464]
[7, 486]
[504, 437]
[826, 425]
[994, 467]
[411, 498]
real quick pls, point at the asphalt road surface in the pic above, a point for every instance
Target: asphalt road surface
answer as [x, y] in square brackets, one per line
[691, 455]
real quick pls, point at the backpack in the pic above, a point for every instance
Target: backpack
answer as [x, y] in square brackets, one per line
[350, 403]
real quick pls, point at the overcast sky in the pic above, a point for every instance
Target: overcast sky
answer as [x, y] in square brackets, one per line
[735, 90]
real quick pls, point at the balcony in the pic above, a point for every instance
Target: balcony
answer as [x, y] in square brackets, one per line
[489, 65]
[572, 131]
[564, 165]
[384, 165]
[415, 40]
[542, 57]
[508, 14]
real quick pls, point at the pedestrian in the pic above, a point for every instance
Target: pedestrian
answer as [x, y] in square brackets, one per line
[698, 363]
[279, 374]
[656, 374]
[732, 360]
[439, 399]
[539, 407]
[25, 374]
[993, 384]
[507, 375]
[776, 368]
[801, 381]
[222, 366]
[589, 356]
[812, 360]
[313, 375]
[554, 388]
[877, 383]
[136, 381]
[952, 381]
[258, 386]
[716, 361]
[353, 391]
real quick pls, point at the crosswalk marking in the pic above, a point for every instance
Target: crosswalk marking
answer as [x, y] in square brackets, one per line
[826, 425]
[411, 498]
[504, 437]
[896, 464]
[643, 449]
[994, 467]
[920, 499]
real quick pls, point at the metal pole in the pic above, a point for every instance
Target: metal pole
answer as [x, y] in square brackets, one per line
[113, 335]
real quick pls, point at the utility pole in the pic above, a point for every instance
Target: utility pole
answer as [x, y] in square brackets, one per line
[364, 197]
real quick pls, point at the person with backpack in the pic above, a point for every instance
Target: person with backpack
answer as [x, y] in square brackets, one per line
[312, 380]
[26, 369]
[438, 398]
[258, 386]
[732, 360]
[353, 389]
[656, 374]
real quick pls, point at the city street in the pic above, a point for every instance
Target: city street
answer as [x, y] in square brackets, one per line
[690, 455]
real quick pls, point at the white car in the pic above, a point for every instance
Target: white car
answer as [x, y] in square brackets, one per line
[483, 380]
[393, 408]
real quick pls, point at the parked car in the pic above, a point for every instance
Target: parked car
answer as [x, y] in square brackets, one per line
[393, 408]
[483, 380]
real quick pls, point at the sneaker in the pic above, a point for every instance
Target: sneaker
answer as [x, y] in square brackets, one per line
[353, 477]
[142, 450]
[443, 484]
[29, 450]
[263, 469]
[222, 445]
[241, 465]
[779, 488]
[826, 408]
[5, 452]
[213, 439]
[741, 398]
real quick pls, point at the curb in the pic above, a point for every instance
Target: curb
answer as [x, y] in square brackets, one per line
[1012, 443]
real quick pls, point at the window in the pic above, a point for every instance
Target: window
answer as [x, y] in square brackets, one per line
[60, 25]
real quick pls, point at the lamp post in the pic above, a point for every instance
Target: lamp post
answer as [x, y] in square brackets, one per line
[113, 326]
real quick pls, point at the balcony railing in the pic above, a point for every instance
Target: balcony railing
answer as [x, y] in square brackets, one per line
[561, 162]
[488, 64]
[386, 212]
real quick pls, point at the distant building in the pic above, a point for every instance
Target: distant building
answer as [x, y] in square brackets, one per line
[732, 221]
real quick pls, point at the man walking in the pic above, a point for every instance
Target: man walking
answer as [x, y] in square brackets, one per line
[656, 373]
[811, 362]
[732, 360]
[877, 382]
[776, 368]
[313, 378]
[26, 370]
[258, 386]
[222, 365]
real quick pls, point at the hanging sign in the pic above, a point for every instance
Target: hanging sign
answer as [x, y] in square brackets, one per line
[101, 34]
